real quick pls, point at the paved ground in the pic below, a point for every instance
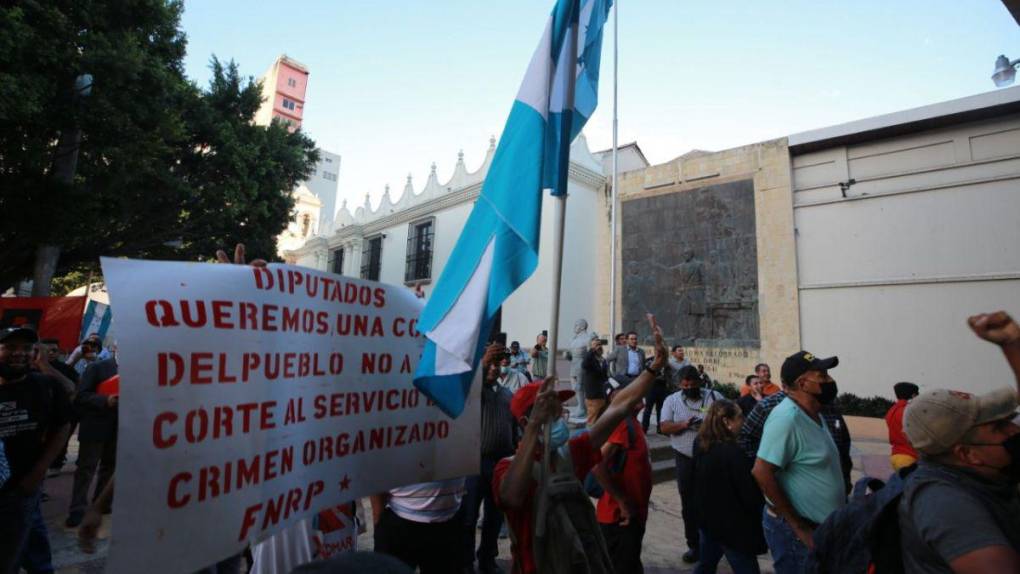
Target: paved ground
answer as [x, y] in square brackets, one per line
[664, 536]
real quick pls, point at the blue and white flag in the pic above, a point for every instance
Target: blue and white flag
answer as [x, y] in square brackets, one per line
[498, 249]
[96, 320]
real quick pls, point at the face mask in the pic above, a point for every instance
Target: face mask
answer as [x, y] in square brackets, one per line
[692, 393]
[1012, 446]
[828, 394]
[559, 434]
[504, 370]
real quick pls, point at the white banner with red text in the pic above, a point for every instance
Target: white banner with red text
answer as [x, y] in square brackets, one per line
[251, 398]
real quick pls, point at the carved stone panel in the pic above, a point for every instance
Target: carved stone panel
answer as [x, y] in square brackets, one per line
[692, 258]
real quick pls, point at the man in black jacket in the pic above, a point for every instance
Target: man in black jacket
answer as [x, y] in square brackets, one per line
[594, 377]
[97, 436]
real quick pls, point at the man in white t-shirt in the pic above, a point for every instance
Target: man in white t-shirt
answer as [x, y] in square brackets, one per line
[682, 414]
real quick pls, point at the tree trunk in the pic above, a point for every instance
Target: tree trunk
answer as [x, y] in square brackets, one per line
[46, 257]
[65, 163]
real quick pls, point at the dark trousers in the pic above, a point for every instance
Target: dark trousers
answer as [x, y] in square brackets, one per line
[479, 491]
[36, 555]
[90, 456]
[712, 552]
[624, 545]
[16, 511]
[434, 547]
[656, 396]
[58, 462]
[685, 483]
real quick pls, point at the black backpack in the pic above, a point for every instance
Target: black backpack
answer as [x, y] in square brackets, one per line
[864, 535]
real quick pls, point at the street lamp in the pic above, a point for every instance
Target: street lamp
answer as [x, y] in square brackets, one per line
[1004, 71]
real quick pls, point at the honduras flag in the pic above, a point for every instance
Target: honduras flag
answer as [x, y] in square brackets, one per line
[498, 249]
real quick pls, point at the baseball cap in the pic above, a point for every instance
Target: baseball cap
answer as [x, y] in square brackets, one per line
[936, 420]
[525, 397]
[801, 362]
[19, 333]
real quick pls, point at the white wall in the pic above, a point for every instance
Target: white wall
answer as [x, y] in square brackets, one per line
[927, 236]
[526, 312]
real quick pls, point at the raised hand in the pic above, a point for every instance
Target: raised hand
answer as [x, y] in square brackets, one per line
[239, 257]
[998, 328]
[661, 353]
[493, 354]
[547, 405]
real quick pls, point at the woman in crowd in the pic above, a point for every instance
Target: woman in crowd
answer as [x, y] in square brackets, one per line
[729, 503]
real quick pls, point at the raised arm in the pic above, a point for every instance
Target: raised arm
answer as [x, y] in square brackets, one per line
[624, 402]
[1001, 329]
[513, 491]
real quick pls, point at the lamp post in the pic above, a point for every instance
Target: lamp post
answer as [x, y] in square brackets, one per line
[1005, 71]
[65, 164]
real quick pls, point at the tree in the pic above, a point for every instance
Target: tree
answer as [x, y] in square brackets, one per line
[165, 170]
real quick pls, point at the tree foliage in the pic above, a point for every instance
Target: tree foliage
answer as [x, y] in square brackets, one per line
[165, 169]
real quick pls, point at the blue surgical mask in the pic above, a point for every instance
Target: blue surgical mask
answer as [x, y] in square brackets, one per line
[559, 434]
[504, 370]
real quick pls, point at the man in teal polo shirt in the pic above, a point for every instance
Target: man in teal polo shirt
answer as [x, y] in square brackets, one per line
[798, 463]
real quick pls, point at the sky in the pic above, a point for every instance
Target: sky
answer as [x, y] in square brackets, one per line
[397, 85]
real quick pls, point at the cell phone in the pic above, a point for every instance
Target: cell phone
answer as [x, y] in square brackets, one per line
[604, 341]
[500, 338]
[545, 332]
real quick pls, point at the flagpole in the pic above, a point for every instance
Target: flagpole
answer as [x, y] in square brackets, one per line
[612, 195]
[560, 202]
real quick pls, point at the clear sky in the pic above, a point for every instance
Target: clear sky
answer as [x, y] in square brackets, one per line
[397, 85]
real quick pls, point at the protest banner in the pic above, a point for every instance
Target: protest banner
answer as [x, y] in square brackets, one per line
[51, 317]
[252, 398]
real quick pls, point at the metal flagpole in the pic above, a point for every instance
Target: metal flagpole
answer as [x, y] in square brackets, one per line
[612, 194]
[560, 201]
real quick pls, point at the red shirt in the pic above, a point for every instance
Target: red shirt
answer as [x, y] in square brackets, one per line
[522, 520]
[897, 438]
[636, 478]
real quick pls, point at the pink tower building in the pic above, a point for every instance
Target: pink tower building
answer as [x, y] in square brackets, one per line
[283, 93]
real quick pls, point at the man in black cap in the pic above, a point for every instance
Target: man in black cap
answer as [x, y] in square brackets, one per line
[34, 414]
[797, 465]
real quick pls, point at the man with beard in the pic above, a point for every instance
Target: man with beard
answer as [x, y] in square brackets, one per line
[798, 464]
[682, 414]
[960, 511]
[34, 414]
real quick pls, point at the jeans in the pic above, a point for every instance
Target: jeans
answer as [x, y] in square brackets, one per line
[90, 456]
[479, 491]
[712, 552]
[36, 556]
[16, 514]
[789, 554]
[624, 545]
[685, 484]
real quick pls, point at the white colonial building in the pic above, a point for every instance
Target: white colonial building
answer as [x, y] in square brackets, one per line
[407, 240]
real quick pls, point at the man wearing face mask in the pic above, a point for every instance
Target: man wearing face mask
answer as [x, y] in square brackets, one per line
[960, 511]
[510, 377]
[497, 441]
[682, 414]
[33, 426]
[536, 405]
[797, 467]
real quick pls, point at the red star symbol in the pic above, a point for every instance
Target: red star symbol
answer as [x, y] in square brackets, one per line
[345, 483]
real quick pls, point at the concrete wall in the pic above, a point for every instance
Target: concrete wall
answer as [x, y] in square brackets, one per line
[926, 236]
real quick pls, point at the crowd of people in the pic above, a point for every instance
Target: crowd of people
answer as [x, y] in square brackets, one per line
[763, 473]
